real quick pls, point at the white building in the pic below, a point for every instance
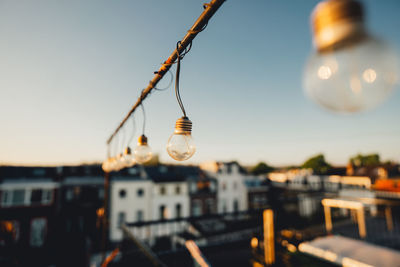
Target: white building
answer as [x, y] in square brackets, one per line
[149, 194]
[232, 193]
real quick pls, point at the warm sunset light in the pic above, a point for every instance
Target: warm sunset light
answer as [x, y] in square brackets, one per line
[181, 133]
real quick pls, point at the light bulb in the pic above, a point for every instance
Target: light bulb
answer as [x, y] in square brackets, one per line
[106, 166]
[128, 159]
[112, 164]
[180, 145]
[119, 163]
[142, 151]
[351, 71]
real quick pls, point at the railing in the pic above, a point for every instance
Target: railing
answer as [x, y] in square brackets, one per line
[206, 229]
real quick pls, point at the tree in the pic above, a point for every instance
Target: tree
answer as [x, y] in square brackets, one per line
[317, 164]
[261, 168]
[365, 160]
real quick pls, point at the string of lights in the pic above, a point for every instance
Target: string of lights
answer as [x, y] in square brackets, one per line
[180, 145]
[198, 26]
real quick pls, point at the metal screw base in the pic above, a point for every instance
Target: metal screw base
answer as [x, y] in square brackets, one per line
[142, 140]
[183, 126]
[337, 24]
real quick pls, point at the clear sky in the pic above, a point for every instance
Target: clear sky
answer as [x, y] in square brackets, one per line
[70, 70]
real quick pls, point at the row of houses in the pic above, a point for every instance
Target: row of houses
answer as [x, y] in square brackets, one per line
[168, 192]
[40, 205]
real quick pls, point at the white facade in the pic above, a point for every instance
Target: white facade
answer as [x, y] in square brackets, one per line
[135, 199]
[171, 200]
[130, 201]
[232, 192]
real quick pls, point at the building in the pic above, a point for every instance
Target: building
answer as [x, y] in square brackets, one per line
[257, 192]
[28, 209]
[232, 192]
[147, 194]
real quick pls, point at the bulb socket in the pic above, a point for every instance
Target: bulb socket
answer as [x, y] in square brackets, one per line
[127, 151]
[142, 140]
[183, 126]
[337, 24]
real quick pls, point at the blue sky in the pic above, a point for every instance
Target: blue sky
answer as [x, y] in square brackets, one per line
[70, 70]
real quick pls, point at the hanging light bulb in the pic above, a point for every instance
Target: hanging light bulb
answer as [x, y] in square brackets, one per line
[128, 159]
[142, 151]
[351, 70]
[112, 164]
[180, 145]
[106, 166]
[119, 163]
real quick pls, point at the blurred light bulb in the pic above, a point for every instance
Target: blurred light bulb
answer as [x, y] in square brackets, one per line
[119, 163]
[180, 145]
[128, 159]
[106, 166]
[142, 151]
[351, 71]
[112, 164]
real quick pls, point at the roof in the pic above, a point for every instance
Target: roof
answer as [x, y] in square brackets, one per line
[350, 252]
[83, 180]
[173, 173]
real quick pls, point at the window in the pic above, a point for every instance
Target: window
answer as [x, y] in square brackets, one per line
[101, 193]
[36, 196]
[69, 194]
[139, 216]
[235, 205]
[163, 212]
[12, 229]
[177, 190]
[235, 185]
[140, 192]
[196, 208]
[38, 232]
[18, 197]
[121, 218]
[178, 210]
[122, 193]
[6, 198]
[209, 207]
[193, 187]
[224, 206]
[47, 196]
[212, 186]
[162, 190]
[223, 186]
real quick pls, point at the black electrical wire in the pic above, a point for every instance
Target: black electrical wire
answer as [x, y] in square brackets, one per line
[133, 131]
[178, 70]
[169, 84]
[144, 117]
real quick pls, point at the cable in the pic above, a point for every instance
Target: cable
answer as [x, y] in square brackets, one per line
[133, 131]
[169, 84]
[123, 139]
[178, 70]
[144, 117]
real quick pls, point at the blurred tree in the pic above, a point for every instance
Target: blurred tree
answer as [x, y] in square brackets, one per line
[261, 168]
[365, 160]
[317, 164]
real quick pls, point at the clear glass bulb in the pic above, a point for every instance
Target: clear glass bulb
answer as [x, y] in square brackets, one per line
[143, 151]
[119, 163]
[112, 163]
[181, 146]
[128, 159]
[354, 78]
[106, 166]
